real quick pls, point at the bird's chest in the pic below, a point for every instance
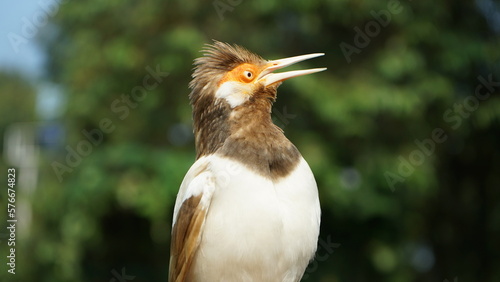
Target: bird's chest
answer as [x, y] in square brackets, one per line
[260, 226]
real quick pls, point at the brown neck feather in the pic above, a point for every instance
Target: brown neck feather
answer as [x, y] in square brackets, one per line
[245, 133]
[211, 127]
[248, 135]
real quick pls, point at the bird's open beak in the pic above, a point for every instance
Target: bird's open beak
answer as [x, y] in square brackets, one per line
[268, 78]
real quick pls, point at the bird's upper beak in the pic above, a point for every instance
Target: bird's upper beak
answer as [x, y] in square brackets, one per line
[268, 78]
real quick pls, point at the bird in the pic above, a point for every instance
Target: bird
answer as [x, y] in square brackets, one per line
[248, 208]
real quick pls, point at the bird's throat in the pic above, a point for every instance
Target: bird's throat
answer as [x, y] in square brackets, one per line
[248, 135]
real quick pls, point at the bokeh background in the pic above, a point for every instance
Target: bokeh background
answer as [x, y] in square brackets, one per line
[402, 131]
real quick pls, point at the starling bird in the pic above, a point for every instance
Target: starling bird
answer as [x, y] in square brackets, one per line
[248, 208]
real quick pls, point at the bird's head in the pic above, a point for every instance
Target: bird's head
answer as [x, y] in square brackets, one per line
[230, 79]
[233, 75]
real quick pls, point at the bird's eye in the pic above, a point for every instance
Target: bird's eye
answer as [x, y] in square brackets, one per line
[245, 74]
[248, 74]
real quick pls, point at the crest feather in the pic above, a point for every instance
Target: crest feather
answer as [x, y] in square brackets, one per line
[218, 58]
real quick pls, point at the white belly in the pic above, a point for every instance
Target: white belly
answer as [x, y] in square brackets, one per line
[256, 229]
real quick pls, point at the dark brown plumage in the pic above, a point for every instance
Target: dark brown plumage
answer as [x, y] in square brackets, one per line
[184, 239]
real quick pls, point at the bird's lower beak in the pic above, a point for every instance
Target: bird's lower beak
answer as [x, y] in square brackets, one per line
[268, 78]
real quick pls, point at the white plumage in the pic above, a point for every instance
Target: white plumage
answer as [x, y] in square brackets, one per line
[255, 229]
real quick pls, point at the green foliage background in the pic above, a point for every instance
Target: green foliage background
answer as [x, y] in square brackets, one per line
[352, 123]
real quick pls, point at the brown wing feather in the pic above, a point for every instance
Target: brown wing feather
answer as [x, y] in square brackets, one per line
[186, 236]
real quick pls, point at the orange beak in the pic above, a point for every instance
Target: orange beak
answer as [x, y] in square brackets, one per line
[268, 78]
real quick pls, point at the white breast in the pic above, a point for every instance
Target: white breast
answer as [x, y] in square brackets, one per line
[257, 229]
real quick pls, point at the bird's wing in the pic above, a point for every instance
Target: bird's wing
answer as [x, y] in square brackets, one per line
[191, 207]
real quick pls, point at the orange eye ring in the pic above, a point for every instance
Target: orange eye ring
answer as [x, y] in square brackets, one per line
[247, 75]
